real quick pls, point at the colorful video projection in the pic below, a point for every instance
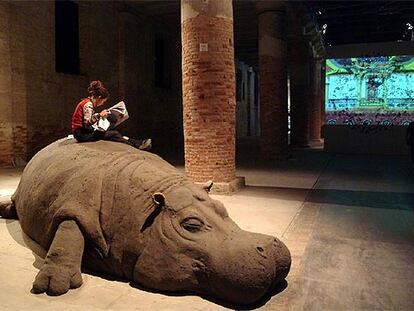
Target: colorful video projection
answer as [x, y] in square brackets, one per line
[370, 90]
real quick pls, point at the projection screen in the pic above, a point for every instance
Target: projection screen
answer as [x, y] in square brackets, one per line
[370, 90]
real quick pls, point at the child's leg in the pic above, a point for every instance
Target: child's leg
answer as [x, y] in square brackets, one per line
[85, 135]
[113, 135]
[145, 144]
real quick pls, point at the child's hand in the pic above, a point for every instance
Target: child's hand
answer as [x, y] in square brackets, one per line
[104, 113]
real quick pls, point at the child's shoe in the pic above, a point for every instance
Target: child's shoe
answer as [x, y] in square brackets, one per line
[146, 144]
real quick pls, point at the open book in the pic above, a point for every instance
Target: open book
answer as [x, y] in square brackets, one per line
[120, 113]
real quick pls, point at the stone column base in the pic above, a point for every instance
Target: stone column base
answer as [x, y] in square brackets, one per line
[227, 187]
[315, 143]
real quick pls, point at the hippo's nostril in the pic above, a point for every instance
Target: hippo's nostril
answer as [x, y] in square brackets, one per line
[261, 251]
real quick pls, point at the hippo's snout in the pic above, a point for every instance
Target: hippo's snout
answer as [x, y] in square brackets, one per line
[257, 264]
[282, 259]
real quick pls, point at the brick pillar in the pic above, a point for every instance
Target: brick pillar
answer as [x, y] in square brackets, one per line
[323, 90]
[316, 106]
[209, 102]
[6, 119]
[299, 54]
[273, 80]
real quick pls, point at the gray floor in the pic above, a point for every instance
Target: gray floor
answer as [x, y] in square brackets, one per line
[359, 254]
[348, 221]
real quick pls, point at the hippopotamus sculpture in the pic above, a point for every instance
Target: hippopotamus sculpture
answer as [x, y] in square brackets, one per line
[131, 214]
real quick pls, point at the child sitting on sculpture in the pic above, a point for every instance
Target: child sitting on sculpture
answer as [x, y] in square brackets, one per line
[90, 126]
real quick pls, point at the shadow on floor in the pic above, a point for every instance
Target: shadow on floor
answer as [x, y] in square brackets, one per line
[280, 288]
[275, 291]
[374, 199]
[280, 193]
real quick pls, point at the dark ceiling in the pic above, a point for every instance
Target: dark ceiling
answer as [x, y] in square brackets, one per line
[363, 21]
[347, 21]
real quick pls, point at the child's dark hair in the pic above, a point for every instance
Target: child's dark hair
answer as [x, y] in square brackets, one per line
[97, 89]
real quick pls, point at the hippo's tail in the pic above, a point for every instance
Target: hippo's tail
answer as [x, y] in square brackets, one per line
[8, 209]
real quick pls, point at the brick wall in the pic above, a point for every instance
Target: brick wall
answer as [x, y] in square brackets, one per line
[6, 116]
[38, 102]
[209, 98]
[42, 99]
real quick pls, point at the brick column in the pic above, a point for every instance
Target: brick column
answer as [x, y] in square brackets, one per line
[316, 106]
[208, 75]
[299, 55]
[6, 119]
[273, 80]
[323, 90]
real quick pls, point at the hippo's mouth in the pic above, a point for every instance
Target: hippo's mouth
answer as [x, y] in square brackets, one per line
[238, 293]
[245, 282]
[202, 275]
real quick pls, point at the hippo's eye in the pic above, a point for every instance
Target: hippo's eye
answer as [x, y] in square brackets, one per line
[192, 224]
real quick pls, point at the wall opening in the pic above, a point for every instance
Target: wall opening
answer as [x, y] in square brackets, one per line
[161, 63]
[67, 37]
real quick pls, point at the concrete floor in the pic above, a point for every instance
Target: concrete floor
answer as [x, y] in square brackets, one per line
[348, 221]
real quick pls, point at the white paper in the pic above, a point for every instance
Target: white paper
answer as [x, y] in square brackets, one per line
[119, 111]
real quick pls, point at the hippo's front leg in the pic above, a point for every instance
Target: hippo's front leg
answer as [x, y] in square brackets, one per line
[62, 267]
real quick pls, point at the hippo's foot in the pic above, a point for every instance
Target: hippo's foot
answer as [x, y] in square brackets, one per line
[56, 280]
[7, 209]
[61, 270]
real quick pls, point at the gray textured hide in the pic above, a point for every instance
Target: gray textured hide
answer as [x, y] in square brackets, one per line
[187, 242]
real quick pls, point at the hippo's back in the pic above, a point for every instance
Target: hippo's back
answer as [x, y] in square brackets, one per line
[65, 180]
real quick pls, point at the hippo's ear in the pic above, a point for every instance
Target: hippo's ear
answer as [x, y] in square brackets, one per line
[208, 185]
[158, 199]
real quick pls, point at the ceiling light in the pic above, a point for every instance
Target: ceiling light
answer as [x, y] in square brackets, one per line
[324, 27]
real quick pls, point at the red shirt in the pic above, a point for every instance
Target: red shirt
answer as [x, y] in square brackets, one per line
[83, 115]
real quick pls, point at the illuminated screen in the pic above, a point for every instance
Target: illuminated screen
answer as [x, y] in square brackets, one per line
[370, 90]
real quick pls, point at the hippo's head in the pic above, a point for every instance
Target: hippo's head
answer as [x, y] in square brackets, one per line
[194, 245]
